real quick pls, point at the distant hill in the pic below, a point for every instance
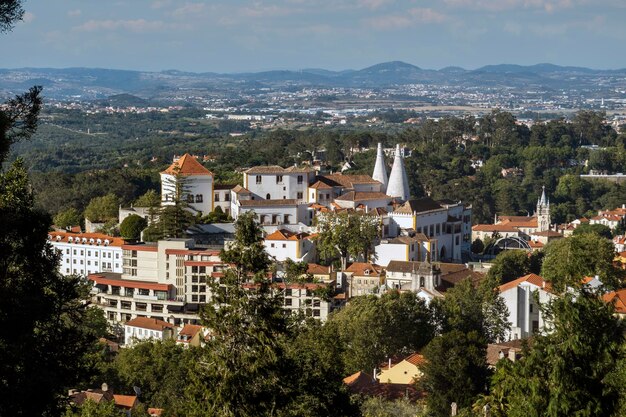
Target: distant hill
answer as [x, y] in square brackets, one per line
[124, 86]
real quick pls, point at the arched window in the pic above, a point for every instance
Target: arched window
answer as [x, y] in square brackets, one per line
[267, 197]
[421, 282]
[190, 198]
[198, 198]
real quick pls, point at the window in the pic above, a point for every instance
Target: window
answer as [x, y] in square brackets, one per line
[279, 179]
[268, 197]
[531, 308]
[227, 197]
[74, 251]
[194, 298]
[300, 178]
[82, 252]
[316, 313]
[284, 245]
[198, 198]
[258, 179]
[217, 197]
[67, 251]
[88, 253]
[299, 196]
[190, 198]
[143, 291]
[288, 301]
[272, 245]
[288, 292]
[67, 270]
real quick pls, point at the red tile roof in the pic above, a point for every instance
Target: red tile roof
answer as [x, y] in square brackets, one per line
[618, 298]
[415, 359]
[284, 234]
[359, 268]
[63, 237]
[127, 283]
[125, 401]
[530, 278]
[149, 323]
[190, 330]
[187, 165]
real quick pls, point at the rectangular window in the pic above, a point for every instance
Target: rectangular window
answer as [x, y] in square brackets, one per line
[279, 179]
[82, 252]
[299, 196]
[284, 245]
[227, 197]
[217, 196]
[288, 292]
[194, 298]
[88, 253]
[300, 178]
[143, 291]
[74, 251]
[316, 313]
[67, 251]
[288, 301]
[272, 245]
[258, 179]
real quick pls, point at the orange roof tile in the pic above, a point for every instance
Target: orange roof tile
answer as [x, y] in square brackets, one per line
[149, 323]
[187, 165]
[284, 234]
[126, 401]
[318, 269]
[127, 283]
[618, 298]
[359, 268]
[62, 236]
[530, 278]
[415, 359]
[190, 330]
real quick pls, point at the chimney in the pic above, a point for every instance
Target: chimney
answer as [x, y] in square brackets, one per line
[374, 374]
[512, 355]
[105, 387]
[389, 363]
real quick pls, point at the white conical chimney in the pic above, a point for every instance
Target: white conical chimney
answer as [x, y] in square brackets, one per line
[398, 182]
[380, 172]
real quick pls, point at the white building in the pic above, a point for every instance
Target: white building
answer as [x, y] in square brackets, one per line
[277, 183]
[525, 315]
[87, 253]
[143, 328]
[446, 224]
[198, 184]
[405, 248]
[284, 244]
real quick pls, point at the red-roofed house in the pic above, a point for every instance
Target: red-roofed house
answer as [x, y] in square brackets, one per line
[198, 184]
[87, 253]
[284, 244]
[525, 316]
[144, 328]
[363, 278]
[618, 298]
[190, 335]
[404, 372]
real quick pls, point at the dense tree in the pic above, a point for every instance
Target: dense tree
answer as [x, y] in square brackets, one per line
[509, 265]
[345, 235]
[131, 226]
[456, 369]
[574, 369]
[102, 209]
[68, 218]
[371, 330]
[42, 342]
[567, 261]
[149, 199]
[598, 229]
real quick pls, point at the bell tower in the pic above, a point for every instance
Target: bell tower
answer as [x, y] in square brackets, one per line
[543, 212]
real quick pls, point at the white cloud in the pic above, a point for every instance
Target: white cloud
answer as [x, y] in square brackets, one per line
[189, 9]
[137, 25]
[74, 13]
[410, 18]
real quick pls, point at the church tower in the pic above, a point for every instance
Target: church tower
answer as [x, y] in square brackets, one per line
[398, 182]
[543, 212]
[380, 172]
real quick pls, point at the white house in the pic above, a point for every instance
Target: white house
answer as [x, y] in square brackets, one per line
[404, 248]
[87, 253]
[284, 244]
[277, 183]
[524, 313]
[144, 328]
[198, 182]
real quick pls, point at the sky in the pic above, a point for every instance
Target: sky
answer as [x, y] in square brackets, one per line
[242, 35]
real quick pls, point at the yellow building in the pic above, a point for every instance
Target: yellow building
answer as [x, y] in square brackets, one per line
[404, 372]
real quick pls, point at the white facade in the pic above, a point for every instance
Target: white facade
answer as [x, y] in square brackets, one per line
[146, 329]
[525, 315]
[199, 191]
[87, 253]
[276, 183]
[283, 244]
[405, 249]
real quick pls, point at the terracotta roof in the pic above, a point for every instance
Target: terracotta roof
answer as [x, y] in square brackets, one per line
[535, 244]
[267, 203]
[320, 185]
[155, 412]
[190, 330]
[530, 278]
[548, 233]
[518, 221]
[363, 196]
[346, 181]
[275, 169]
[238, 189]
[407, 240]
[359, 268]
[64, 238]
[284, 234]
[116, 281]
[187, 165]
[142, 247]
[149, 323]
[224, 186]
[359, 378]
[618, 298]
[125, 401]
[317, 269]
[415, 359]
[419, 205]
[377, 211]
[494, 228]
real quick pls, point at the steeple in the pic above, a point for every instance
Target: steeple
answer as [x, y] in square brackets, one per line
[380, 172]
[398, 182]
[543, 212]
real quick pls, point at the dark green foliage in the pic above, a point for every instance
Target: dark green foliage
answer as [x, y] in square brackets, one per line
[456, 369]
[567, 261]
[599, 229]
[478, 246]
[42, 341]
[372, 329]
[574, 370]
[131, 226]
[102, 209]
[10, 12]
[509, 265]
[67, 218]
[18, 119]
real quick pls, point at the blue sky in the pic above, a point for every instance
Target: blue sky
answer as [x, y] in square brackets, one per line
[242, 35]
